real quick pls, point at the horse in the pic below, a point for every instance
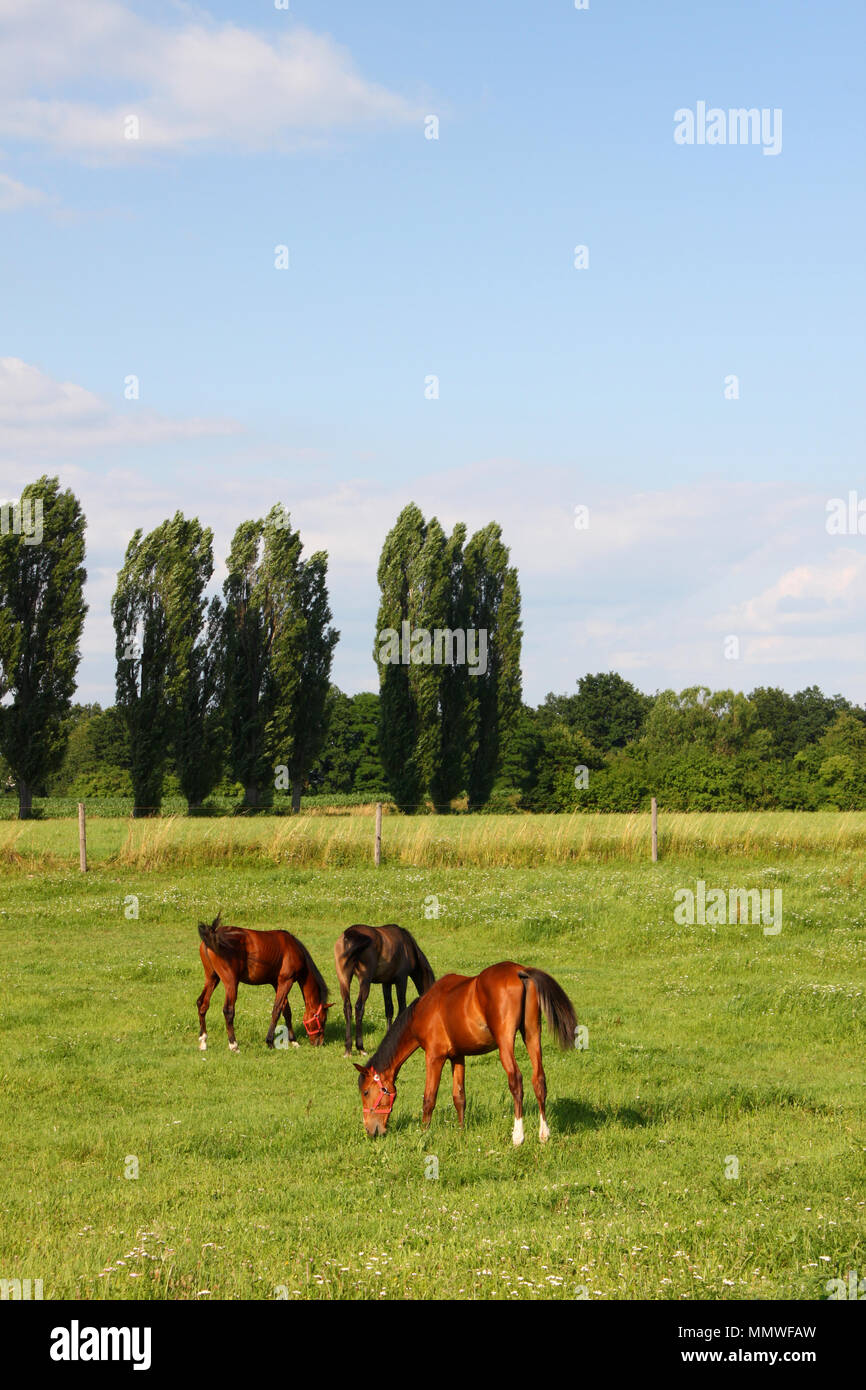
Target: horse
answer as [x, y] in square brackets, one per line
[463, 1016]
[236, 956]
[383, 956]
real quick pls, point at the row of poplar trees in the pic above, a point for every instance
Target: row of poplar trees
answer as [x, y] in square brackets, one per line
[443, 730]
[239, 682]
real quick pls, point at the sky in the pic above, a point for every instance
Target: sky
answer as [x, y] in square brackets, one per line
[693, 378]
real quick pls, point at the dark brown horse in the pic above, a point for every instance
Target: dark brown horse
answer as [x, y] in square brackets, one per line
[462, 1016]
[383, 956]
[238, 956]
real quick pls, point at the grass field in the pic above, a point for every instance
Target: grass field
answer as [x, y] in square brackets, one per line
[255, 1180]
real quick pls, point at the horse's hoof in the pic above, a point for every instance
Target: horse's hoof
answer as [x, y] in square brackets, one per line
[517, 1133]
[234, 1047]
[202, 1043]
[347, 1055]
[295, 1044]
[543, 1132]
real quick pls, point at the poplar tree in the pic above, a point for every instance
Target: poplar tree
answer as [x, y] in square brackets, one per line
[442, 724]
[494, 697]
[165, 684]
[279, 648]
[398, 711]
[42, 612]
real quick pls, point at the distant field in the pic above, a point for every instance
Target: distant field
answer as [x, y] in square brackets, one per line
[428, 841]
[710, 1050]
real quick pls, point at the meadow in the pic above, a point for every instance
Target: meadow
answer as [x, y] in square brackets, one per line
[708, 1144]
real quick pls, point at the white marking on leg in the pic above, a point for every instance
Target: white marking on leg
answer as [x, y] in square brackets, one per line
[202, 1042]
[234, 1047]
[295, 1043]
[543, 1131]
[517, 1133]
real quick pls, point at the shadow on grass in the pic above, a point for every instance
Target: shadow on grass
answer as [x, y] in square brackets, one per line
[572, 1116]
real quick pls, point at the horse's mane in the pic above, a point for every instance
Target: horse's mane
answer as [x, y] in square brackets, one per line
[314, 971]
[387, 1049]
[421, 963]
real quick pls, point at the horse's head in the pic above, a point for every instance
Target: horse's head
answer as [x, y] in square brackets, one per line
[314, 1022]
[377, 1098]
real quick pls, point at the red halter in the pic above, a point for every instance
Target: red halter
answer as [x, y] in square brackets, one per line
[316, 1025]
[388, 1097]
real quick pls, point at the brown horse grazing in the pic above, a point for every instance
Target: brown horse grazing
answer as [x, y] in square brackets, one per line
[238, 956]
[383, 956]
[462, 1016]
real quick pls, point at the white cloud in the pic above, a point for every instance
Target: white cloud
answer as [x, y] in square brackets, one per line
[42, 416]
[14, 195]
[197, 82]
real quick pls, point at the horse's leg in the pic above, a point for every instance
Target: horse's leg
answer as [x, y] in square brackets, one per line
[363, 991]
[431, 1087]
[401, 994]
[231, 986]
[532, 1037]
[211, 981]
[515, 1086]
[389, 1006]
[281, 990]
[287, 1015]
[345, 994]
[458, 1075]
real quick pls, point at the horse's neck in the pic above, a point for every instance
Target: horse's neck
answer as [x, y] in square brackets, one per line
[407, 1045]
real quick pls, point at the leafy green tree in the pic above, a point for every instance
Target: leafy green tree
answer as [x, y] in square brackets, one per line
[398, 709]
[349, 760]
[279, 648]
[158, 610]
[494, 696]
[42, 612]
[303, 723]
[608, 710]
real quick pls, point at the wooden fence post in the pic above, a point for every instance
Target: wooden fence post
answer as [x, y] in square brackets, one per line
[82, 839]
[655, 831]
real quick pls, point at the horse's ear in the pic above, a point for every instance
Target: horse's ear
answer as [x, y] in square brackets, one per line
[332, 1005]
[358, 1067]
[216, 920]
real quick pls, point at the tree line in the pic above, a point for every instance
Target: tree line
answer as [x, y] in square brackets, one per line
[233, 691]
[227, 700]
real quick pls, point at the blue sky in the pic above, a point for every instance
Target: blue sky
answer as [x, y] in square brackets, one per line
[454, 257]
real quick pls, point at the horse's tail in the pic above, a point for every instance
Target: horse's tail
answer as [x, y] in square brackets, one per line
[355, 943]
[222, 940]
[422, 964]
[556, 1006]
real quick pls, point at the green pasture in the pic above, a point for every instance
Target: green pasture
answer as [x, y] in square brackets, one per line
[712, 1050]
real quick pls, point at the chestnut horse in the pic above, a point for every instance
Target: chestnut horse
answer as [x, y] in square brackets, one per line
[383, 956]
[462, 1016]
[238, 956]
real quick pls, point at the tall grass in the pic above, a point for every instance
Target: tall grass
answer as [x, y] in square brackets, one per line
[460, 841]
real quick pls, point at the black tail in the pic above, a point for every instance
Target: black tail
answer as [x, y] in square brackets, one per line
[224, 941]
[422, 969]
[556, 1006]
